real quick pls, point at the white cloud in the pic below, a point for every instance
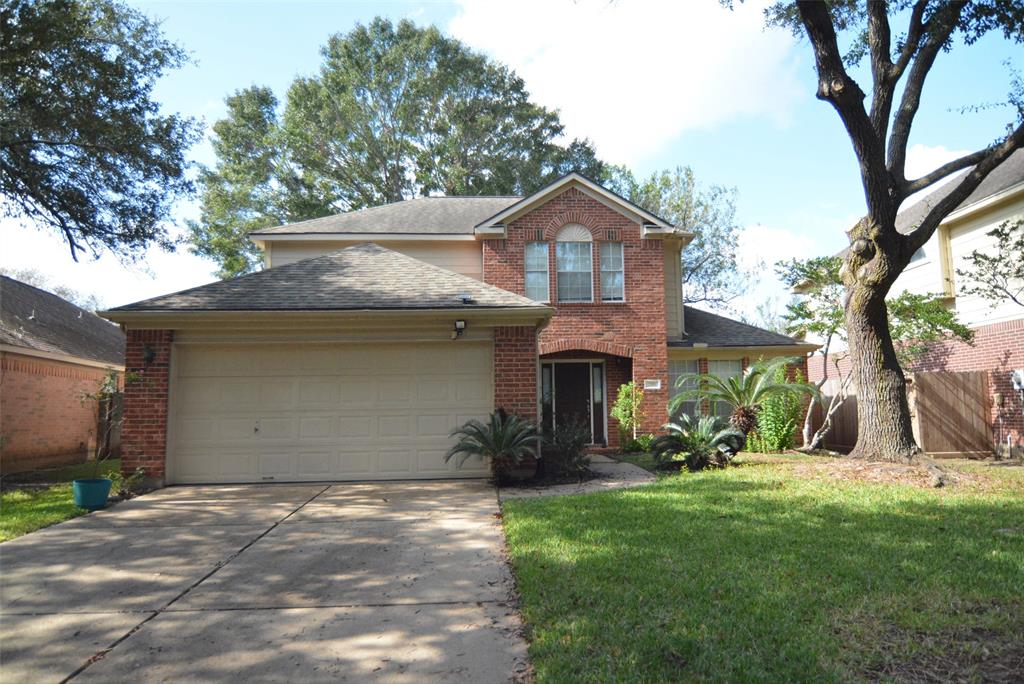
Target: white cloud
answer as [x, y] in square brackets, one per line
[111, 281]
[635, 74]
[923, 159]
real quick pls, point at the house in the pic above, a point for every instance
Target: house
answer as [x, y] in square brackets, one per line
[51, 353]
[371, 334]
[977, 378]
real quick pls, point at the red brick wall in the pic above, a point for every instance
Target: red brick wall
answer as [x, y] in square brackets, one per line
[636, 326]
[144, 433]
[515, 370]
[997, 349]
[43, 420]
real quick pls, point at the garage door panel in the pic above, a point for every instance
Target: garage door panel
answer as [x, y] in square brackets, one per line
[319, 393]
[342, 411]
[394, 391]
[316, 427]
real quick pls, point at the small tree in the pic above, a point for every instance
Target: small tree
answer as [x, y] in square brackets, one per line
[628, 411]
[745, 394]
[916, 322]
[999, 277]
[777, 420]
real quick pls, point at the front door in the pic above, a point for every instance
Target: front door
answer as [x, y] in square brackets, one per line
[575, 390]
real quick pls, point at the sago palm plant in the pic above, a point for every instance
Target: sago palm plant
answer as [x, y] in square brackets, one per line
[744, 393]
[504, 439]
[703, 442]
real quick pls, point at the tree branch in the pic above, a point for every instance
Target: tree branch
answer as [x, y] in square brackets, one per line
[880, 40]
[846, 97]
[996, 156]
[938, 30]
[910, 187]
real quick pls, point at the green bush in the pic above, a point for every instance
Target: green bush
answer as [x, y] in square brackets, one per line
[641, 443]
[563, 449]
[776, 421]
[505, 439]
[705, 442]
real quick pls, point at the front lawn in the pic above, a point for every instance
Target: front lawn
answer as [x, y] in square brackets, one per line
[27, 506]
[764, 573]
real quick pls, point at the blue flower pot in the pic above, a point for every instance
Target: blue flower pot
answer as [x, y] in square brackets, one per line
[91, 493]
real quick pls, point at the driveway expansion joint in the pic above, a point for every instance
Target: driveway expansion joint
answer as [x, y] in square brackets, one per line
[99, 655]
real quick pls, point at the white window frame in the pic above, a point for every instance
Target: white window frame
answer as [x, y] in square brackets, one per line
[547, 270]
[574, 234]
[621, 269]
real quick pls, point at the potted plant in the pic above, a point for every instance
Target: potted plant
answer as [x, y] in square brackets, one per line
[92, 493]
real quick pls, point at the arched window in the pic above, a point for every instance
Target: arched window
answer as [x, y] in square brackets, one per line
[574, 264]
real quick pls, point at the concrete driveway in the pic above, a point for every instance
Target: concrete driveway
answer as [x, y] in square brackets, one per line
[396, 582]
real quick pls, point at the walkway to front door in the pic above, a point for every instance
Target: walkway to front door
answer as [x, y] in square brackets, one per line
[575, 389]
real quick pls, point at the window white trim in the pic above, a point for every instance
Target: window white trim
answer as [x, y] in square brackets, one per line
[622, 269]
[574, 232]
[559, 271]
[547, 270]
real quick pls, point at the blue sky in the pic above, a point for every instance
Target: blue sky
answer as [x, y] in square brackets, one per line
[653, 84]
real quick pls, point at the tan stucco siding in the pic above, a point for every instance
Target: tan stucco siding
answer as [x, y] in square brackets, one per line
[673, 290]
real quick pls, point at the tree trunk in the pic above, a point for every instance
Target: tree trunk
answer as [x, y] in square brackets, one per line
[884, 430]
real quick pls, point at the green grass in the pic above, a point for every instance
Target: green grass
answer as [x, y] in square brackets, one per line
[26, 509]
[755, 574]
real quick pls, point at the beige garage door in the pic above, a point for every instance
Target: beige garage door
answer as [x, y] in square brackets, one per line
[279, 413]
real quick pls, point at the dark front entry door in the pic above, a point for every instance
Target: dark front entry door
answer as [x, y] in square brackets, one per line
[572, 392]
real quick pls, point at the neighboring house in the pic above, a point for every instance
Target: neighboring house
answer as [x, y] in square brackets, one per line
[998, 347]
[371, 334]
[51, 354]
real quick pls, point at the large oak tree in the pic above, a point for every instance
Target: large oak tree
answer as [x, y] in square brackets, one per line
[84, 147]
[879, 126]
[396, 111]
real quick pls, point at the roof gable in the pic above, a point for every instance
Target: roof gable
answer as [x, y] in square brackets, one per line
[652, 224]
[364, 277]
[34, 319]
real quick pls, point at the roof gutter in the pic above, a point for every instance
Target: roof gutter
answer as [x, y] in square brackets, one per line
[482, 315]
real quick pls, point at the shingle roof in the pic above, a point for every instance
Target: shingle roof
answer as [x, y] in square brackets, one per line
[35, 319]
[426, 215]
[713, 330]
[362, 277]
[1006, 175]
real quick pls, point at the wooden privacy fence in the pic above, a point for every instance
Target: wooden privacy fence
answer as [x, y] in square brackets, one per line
[950, 413]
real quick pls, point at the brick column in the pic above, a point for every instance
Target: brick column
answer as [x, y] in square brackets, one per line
[144, 432]
[515, 370]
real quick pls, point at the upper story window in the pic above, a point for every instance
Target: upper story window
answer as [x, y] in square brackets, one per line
[574, 264]
[612, 275]
[537, 271]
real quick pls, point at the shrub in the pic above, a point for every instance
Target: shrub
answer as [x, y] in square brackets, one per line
[628, 411]
[564, 446]
[504, 439]
[641, 443]
[705, 442]
[777, 421]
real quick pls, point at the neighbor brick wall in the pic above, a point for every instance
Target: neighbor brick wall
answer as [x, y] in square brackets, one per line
[998, 349]
[515, 370]
[636, 327]
[144, 433]
[44, 421]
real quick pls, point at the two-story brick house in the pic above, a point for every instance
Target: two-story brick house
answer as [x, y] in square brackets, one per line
[371, 334]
